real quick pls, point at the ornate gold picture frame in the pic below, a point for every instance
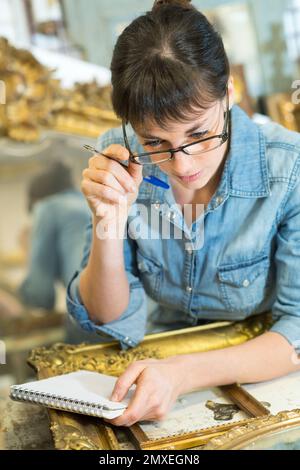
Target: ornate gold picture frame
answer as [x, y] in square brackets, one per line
[259, 433]
[76, 432]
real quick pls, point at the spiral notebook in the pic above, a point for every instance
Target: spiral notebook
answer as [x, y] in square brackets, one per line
[81, 392]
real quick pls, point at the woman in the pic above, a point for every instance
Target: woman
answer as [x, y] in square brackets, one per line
[171, 82]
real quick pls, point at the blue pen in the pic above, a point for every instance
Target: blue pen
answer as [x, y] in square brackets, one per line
[156, 182]
[149, 179]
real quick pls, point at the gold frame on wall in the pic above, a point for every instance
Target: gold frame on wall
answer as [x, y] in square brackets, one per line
[76, 432]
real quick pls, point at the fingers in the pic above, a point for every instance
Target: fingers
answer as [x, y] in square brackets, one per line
[94, 190]
[136, 172]
[101, 166]
[126, 380]
[107, 180]
[145, 401]
[117, 151]
[147, 404]
[138, 407]
[157, 388]
[129, 377]
[103, 177]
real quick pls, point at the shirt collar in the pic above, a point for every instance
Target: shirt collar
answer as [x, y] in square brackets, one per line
[245, 172]
[247, 165]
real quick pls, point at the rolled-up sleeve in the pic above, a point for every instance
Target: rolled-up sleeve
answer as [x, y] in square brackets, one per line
[286, 309]
[130, 328]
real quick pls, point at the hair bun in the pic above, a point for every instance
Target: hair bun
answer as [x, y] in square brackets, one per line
[182, 3]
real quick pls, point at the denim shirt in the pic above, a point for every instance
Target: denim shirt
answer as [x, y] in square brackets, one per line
[57, 242]
[239, 258]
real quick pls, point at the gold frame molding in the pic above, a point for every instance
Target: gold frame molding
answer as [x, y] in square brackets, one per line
[282, 110]
[244, 435]
[237, 394]
[77, 432]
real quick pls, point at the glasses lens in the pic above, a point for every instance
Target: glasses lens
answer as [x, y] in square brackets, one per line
[153, 159]
[192, 149]
[208, 146]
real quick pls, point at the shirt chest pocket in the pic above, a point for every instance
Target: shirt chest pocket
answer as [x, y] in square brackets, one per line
[244, 285]
[151, 274]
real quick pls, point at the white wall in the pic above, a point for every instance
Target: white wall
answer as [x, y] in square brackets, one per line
[95, 24]
[13, 23]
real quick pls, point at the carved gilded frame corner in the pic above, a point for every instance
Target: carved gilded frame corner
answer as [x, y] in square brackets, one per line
[77, 432]
[245, 435]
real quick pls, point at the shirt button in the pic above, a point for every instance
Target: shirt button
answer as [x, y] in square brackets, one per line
[219, 200]
[189, 289]
[246, 283]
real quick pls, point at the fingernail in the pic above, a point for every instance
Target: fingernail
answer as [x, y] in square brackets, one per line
[132, 189]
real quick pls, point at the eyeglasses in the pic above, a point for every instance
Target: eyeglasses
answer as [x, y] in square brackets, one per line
[193, 149]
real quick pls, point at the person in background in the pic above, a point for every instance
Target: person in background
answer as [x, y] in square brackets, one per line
[60, 215]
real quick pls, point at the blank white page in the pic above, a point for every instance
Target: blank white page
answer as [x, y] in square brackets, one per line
[82, 385]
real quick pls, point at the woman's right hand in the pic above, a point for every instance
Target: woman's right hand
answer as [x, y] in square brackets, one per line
[111, 189]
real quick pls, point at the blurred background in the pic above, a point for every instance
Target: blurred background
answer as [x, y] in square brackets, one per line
[55, 97]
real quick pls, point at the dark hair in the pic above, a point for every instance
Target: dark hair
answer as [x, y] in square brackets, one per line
[56, 178]
[167, 64]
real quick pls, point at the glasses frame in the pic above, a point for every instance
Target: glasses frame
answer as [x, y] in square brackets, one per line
[224, 136]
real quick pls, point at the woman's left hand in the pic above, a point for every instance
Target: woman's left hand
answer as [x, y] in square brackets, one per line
[158, 384]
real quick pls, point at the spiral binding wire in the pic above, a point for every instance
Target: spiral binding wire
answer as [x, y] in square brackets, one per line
[59, 402]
